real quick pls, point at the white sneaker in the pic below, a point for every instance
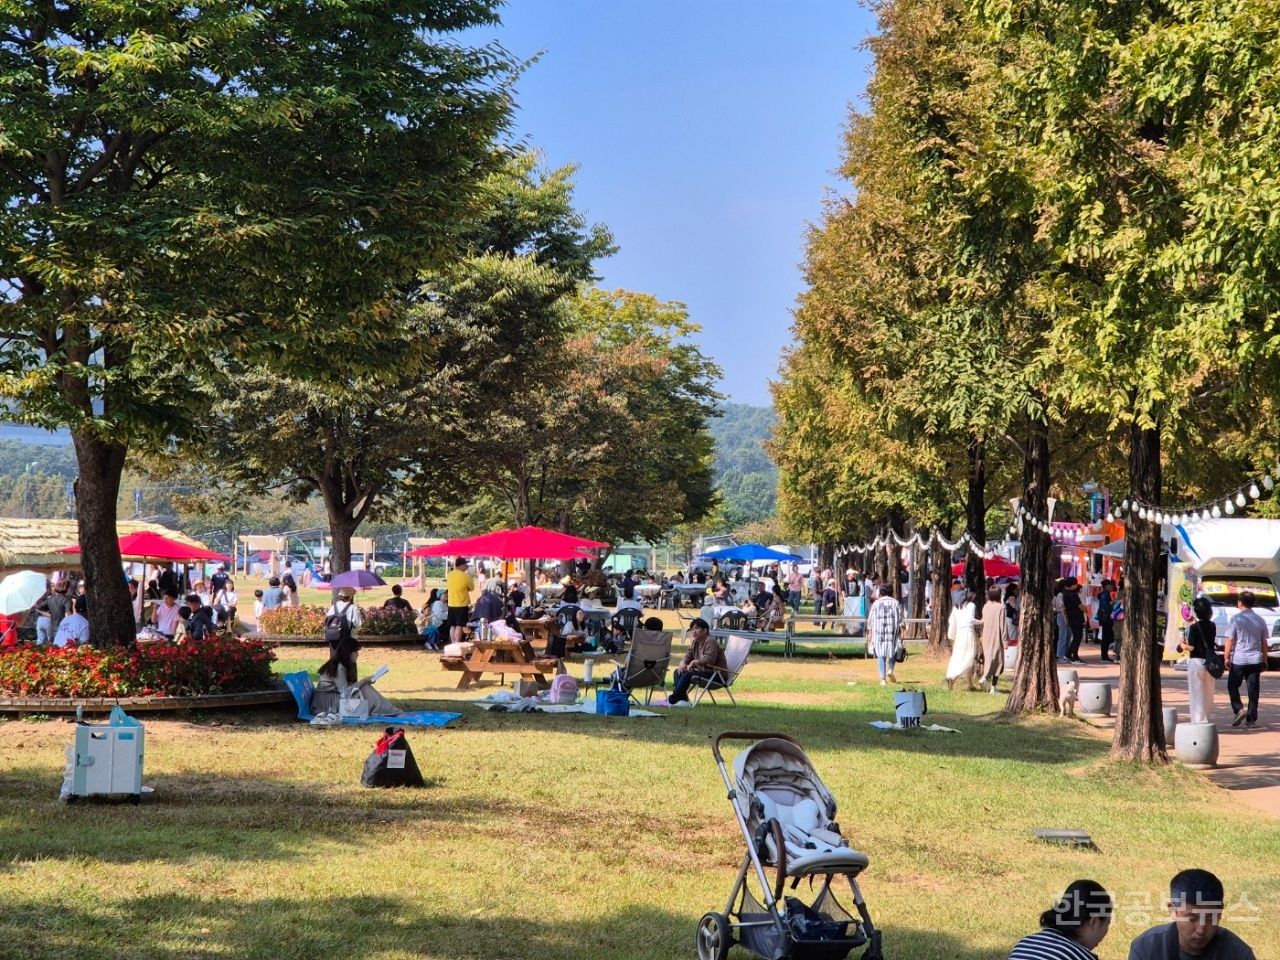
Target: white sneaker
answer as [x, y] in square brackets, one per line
[884, 682]
[682, 703]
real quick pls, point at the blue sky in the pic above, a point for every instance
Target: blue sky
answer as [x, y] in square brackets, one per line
[707, 132]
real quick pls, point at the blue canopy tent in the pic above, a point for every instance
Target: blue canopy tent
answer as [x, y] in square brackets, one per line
[749, 552]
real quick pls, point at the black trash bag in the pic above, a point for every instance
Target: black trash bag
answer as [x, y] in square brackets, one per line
[807, 924]
[391, 764]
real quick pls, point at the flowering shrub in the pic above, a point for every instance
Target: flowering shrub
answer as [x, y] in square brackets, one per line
[223, 664]
[293, 622]
[383, 622]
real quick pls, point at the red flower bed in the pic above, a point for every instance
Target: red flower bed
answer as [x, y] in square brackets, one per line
[222, 664]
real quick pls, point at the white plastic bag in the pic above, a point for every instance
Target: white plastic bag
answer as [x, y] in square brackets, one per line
[355, 708]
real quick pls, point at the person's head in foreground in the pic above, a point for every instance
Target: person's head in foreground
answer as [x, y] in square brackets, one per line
[460, 563]
[347, 593]
[698, 628]
[1196, 900]
[1082, 914]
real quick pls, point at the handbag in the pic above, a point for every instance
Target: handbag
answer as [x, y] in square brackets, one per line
[1214, 664]
[900, 654]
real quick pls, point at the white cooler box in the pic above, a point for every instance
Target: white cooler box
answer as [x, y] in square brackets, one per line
[107, 759]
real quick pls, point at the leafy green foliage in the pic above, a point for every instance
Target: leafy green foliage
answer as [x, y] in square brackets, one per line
[745, 477]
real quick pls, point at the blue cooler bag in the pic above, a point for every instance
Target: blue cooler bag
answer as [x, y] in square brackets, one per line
[613, 703]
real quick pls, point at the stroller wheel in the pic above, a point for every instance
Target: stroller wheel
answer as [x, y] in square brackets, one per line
[713, 937]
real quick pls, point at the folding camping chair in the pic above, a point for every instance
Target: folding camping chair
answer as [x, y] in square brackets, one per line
[646, 664]
[736, 652]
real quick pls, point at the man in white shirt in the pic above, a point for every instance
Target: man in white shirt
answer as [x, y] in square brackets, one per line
[166, 614]
[1246, 657]
[74, 628]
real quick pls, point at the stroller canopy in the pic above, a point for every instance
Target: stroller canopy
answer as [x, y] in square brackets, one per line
[781, 771]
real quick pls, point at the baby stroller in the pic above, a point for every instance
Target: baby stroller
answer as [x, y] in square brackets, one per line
[787, 817]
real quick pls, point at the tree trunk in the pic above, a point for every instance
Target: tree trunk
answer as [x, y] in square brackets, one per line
[97, 489]
[917, 631]
[894, 556]
[341, 530]
[940, 599]
[975, 575]
[1035, 684]
[1139, 733]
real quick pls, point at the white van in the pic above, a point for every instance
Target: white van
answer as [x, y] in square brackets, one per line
[1220, 559]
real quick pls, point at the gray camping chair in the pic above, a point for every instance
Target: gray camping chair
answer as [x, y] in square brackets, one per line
[736, 651]
[646, 665]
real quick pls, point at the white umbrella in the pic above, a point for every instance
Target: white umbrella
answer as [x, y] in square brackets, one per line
[20, 591]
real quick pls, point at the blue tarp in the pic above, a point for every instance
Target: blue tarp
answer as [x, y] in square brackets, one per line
[300, 686]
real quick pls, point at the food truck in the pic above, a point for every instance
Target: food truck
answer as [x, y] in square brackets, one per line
[1220, 559]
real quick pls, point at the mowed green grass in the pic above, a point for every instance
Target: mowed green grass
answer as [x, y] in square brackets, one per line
[586, 837]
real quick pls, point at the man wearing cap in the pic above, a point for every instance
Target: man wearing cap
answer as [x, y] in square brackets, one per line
[460, 584]
[1196, 901]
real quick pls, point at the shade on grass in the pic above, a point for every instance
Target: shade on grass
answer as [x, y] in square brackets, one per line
[583, 837]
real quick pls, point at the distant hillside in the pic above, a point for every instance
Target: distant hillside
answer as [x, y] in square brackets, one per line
[745, 476]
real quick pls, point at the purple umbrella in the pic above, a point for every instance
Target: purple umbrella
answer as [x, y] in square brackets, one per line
[359, 579]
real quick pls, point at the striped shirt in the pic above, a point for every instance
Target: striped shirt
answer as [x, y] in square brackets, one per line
[1049, 944]
[885, 622]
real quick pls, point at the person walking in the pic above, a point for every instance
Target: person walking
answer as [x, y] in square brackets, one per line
[1073, 607]
[1060, 620]
[1246, 657]
[795, 587]
[1106, 622]
[1012, 611]
[995, 637]
[884, 633]
[1200, 644]
[1070, 930]
[961, 631]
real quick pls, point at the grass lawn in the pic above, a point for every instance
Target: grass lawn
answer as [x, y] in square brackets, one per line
[586, 837]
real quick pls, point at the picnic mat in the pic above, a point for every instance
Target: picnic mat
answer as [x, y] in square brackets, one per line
[300, 686]
[510, 703]
[932, 728]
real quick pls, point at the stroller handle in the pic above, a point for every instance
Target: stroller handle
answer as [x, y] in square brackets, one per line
[747, 735]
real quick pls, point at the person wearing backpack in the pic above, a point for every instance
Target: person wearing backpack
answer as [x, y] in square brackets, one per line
[341, 621]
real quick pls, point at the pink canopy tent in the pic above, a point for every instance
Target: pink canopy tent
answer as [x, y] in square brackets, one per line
[995, 567]
[146, 545]
[526, 543]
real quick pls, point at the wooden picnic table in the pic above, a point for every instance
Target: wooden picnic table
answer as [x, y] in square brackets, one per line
[501, 657]
[540, 630]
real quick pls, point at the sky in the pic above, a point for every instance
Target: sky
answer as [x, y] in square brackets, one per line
[707, 134]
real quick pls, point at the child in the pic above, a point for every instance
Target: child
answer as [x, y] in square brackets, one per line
[257, 605]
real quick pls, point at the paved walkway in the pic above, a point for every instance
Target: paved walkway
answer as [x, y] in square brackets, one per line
[1249, 758]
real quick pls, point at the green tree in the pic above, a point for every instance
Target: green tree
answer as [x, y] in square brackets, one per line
[178, 179]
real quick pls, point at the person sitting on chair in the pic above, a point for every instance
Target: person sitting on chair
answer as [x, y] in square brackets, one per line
[489, 607]
[704, 658]
[575, 631]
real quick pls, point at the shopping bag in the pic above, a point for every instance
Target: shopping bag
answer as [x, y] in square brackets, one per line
[392, 764]
[355, 708]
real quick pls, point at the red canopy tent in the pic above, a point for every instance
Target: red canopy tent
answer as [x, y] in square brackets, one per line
[146, 545]
[526, 543]
[995, 567]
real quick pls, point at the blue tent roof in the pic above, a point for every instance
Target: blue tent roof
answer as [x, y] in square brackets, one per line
[750, 551]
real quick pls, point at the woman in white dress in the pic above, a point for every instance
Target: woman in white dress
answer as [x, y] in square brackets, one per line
[962, 630]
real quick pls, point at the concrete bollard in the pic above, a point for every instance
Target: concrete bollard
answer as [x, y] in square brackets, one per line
[1095, 699]
[1196, 744]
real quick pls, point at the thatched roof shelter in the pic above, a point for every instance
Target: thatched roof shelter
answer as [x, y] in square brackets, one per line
[33, 544]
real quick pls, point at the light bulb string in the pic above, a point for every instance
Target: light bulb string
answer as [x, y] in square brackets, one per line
[935, 536]
[1229, 503]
